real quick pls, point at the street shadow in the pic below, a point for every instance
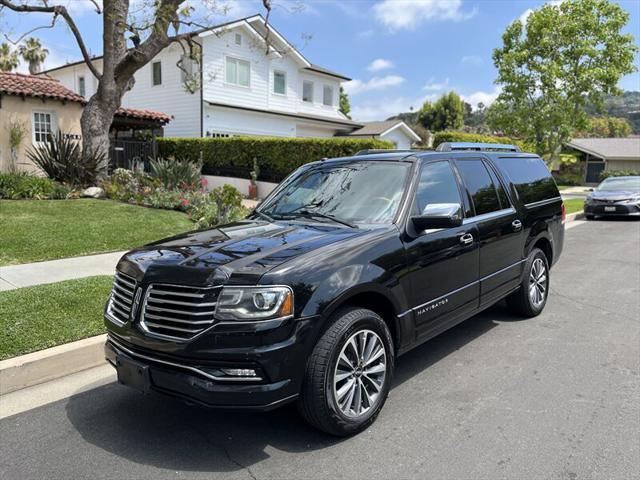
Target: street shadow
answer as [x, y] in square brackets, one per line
[166, 433]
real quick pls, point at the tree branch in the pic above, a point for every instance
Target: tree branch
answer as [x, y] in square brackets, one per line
[57, 10]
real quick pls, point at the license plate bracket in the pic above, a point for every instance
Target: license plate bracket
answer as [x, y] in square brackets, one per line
[133, 374]
[609, 209]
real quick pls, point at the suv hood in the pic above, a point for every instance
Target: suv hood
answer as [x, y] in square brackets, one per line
[237, 253]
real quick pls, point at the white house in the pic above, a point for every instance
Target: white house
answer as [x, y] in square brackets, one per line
[241, 89]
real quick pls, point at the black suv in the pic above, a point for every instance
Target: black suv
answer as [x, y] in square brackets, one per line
[349, 263]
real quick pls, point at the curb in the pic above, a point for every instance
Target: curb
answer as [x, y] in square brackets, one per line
[575, 216]
[39, 367]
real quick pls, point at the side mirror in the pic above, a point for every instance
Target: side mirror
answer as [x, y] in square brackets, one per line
[438, 215]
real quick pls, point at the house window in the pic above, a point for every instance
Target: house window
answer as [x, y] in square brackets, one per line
[81, 87]
[279, 83]
[307, 91]
[327, 96]
[237, 72]
[156, 69]
[43, 126]
[238, 39]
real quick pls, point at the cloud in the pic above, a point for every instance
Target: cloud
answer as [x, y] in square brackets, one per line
[381, 109]
[409, 14]
[481, 97]
[356, 86]
[471, 60]
[435, 86]
[525, 15]
[380, 64]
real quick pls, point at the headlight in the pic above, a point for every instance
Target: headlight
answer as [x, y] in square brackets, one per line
[254, 303]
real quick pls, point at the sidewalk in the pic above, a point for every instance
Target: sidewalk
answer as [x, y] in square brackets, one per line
[28, 274]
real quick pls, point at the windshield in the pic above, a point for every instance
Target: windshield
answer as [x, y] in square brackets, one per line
[621, 184]
[356, 192]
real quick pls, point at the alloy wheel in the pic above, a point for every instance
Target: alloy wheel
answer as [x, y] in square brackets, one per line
[538, 282]
[360, 373]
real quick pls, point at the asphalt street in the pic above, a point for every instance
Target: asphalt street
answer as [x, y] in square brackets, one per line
[555, 397]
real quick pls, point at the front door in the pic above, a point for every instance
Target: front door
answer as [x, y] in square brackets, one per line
[500, 229]
[443, 263]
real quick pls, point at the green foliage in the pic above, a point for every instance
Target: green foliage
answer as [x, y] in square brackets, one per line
[8, 58]
[447, 113]
[345, 105]
[623, 106]
[567, 56]
[33, 53]
[618, 173]
[61, 159]
[277, 156]
[129, 186]
[605, 127]
[173, 173]
[21, 185]
[452, 136]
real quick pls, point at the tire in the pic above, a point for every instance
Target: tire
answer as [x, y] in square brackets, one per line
[525, 302]
[318, 402]
[589, 217]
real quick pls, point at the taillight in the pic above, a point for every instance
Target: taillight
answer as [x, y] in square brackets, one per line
[564, 213]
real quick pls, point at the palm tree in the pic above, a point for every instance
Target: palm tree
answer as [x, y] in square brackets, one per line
[8, 58]
[33, 53]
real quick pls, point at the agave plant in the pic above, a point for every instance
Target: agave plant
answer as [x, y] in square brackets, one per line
[174, 173]
[61, 159]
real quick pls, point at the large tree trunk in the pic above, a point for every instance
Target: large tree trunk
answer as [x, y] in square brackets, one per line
[95, 124]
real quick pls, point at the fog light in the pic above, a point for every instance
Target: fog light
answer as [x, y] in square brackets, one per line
[239, 372]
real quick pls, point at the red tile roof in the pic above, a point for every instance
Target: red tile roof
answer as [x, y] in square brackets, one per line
[36, 86]
[42, 86]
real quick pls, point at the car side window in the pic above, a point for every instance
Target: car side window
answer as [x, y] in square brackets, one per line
[479, 185]
[502, 193]
[438, 184]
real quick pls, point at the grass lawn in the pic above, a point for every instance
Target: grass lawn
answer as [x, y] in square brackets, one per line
[34, 318]
[574, 205]
[563, 187]
[34, 230]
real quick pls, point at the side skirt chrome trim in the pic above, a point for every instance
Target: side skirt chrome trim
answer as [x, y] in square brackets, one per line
[486, 277]
[543, 202]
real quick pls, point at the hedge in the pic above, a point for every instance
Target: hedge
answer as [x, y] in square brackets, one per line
[618, 173]
[453, 136]
[277, 156]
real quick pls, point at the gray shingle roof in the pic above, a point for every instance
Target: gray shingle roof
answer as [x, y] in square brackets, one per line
[609, 148]
[375, 128]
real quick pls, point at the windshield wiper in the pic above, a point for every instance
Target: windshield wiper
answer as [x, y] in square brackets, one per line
[311, 214]
[263, 215]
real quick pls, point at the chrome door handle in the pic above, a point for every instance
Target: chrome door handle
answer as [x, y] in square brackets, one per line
[466, 239]
[517, 225]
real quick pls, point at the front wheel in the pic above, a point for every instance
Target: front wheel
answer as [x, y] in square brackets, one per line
[348, 374]
[529, 300]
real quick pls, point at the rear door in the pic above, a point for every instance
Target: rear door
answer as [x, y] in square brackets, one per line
[500, 232]
[442, 263]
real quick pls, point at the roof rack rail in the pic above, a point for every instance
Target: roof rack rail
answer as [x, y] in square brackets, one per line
[481, 147]
[372, 151]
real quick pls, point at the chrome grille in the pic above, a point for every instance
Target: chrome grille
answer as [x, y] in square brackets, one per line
[122, 298]
[177, 311]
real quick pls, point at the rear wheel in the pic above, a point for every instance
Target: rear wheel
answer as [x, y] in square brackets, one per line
[529, 300]
[348, 374]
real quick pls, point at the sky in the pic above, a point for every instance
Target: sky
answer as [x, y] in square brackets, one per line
[399, 53]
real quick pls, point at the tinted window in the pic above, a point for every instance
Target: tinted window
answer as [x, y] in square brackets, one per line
[502, 194]
[480, 186]
[437, 185]
[530, 176]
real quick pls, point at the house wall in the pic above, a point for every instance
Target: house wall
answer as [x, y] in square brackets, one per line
[220, 120]
[633, 165]
[15, 109]
[400, 140]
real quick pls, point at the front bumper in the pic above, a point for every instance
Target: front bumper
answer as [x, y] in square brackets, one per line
[279, 367]
[612, 210]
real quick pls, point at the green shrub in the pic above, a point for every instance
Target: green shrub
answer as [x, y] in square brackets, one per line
[60, 158]
[129, 186]
[277, 156]
[455, 136]
[16, 186]
[618, 173]
[173, 173]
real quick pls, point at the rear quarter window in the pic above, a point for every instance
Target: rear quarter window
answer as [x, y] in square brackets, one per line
[530, 176]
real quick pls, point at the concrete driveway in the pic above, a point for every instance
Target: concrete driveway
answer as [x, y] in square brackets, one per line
[555, 397]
